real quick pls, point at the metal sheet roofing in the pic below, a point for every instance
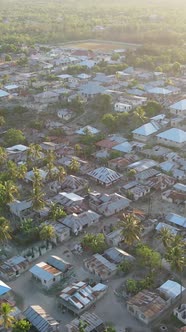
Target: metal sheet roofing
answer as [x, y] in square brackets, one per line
[4, 288]
[174, 135]
[171, 288]
[180, 105]
[44, 271]
[176, 219]
[3, 93]
[40, 319]
[146, 130]
[105, 175]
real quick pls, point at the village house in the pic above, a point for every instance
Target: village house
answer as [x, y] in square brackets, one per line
[174, 196]
[46, 97]
[117, 255]
[172, 137]
[171, 291]
[68, 200]
[100, 266]
[29, 176]
[162, 225]
[5, 291]
[121, 107]
[93, 323]
[46, 274]
[108, 204]
[105, 176]
[114, 238]
[59, 263]
[146, 306]
[178, 108]
[17, 152]
[65, 114]
[80, 296]
[142, 165]
[20, 208]
[78, 222]
[180, 313]
[120, 163]
[62, 233]
[40, 319]
[135, 190]
[160, 181]
[176, 220]
[13, 267]
[144, 132]
[75, 183]
[87, 130]
[3, 95]
[12, 88]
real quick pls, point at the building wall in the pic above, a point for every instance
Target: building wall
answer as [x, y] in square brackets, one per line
[169, 143]
[141, 137]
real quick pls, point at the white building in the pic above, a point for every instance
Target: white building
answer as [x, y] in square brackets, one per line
[179, 108]
[121, 107]
[172, 137]
[145, 131]
[46, 274]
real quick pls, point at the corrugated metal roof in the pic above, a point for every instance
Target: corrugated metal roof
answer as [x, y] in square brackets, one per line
[171, 288]
[38, 317]
[105, 175]
[44, 271]
[4, 288]
[176, 219]
[58, 263]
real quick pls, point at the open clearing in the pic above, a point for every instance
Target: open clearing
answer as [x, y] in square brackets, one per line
[101, 46]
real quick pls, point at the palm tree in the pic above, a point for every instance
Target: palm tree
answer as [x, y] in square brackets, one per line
[5, 230]
[166, 236]
[47, 233]
[74, 165]
[131, 228]
[175, 256]
[33, 153]
[82, 326]
[11, 191]
[2, 121]
[6, 318]
[3, 155]
[61, 173]
[56, 212]
[140, 115]
[37, 194]
[50, 158]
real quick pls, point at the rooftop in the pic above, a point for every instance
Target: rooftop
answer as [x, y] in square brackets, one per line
[39, 318]
[105, 175]
[174, 135]
[171, 288]
[180, 105]
[44, 271]
[146, 130]
[149, 303]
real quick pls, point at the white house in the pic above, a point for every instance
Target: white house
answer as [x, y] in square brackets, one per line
[179, 108]
[145, 131]
[172, 137]
[46, 274]
[77, 222]
[87, 130]
[64, 114]
[105, 176]
[108, 204]
[121, 107]
[40, 319]
[20, 208]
